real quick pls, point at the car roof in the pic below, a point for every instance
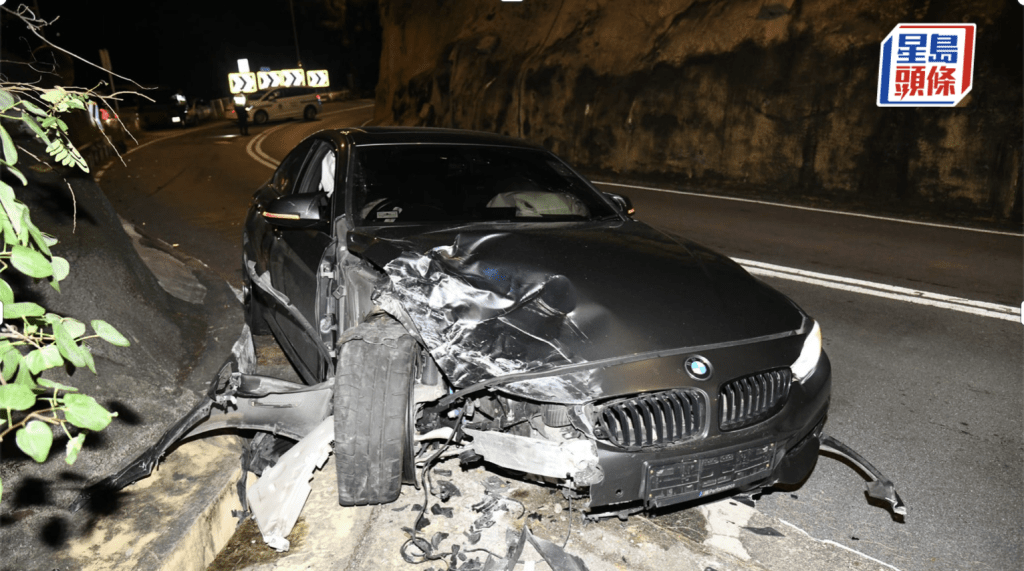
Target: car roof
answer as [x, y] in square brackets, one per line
[363, 136]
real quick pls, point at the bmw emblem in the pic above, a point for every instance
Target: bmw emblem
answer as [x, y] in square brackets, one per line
[699, 368]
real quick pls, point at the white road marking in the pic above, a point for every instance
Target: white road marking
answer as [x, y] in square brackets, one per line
[964, 305]
[840, 545]
[254, 149]
[843, 213]
[255, 146]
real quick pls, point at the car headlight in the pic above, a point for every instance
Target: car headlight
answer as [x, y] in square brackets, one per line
[809, 355]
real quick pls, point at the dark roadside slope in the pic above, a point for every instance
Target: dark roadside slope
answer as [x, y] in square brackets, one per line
[178, 343]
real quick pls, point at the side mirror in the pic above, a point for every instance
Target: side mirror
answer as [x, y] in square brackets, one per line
[295, 210]
[622, 202]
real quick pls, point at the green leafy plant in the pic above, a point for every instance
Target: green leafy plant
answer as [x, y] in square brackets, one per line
[33, 340]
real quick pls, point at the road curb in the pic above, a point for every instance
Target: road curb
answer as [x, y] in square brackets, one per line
[175, 520]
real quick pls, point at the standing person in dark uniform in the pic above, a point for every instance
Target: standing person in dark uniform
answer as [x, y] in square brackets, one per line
[243, 119]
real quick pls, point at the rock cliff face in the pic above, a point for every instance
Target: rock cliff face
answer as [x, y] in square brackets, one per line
[774, 98]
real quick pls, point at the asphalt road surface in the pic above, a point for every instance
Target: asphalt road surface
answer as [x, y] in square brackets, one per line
[922, 324]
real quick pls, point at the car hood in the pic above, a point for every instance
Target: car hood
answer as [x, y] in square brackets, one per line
[504, 299]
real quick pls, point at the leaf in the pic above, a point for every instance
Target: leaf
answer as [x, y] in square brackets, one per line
[40, 134]
[33, 108]
[107, 332]
[38, 238]
[10, 151]
[67, 346]
[79, 160]
[74, 446]
[6, 99]
[10, 364]
[30, 262]
[10, 206]
[35, 439]
[6, 293]
[55, 385]
[24, 378]
[17, 173]
[51, 356]
[75, 103]
[74, 327]
[22, 309]
[89, 362]
[16, 397]
[61, 267]
[10, 237]
[38, 360]
[84, 412]
[53, 95]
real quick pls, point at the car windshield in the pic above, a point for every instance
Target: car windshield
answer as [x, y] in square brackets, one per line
[419, 183]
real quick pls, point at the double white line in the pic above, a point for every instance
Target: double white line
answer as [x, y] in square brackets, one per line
[255, 147]
[971, 306]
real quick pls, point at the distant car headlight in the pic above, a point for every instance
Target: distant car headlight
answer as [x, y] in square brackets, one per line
[809, 355]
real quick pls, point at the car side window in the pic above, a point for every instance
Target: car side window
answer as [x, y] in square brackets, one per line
[320, 176]
[291, 167]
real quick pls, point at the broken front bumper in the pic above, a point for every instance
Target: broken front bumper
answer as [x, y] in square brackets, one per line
[780, 450]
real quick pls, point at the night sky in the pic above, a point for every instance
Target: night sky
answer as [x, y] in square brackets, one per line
[190, 46]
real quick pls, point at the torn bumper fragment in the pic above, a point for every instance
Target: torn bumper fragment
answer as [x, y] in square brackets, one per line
[237, 399]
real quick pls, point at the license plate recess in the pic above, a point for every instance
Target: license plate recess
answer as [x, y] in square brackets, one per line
[691, 477]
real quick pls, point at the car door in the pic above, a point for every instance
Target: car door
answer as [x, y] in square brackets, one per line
[295, 258]
[294, 107]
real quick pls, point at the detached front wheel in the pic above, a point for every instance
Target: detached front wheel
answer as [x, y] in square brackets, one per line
[373, 423]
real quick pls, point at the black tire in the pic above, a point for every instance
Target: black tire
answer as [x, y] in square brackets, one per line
[373, 413]
[260, 117]
[309, 113]
[252, 309]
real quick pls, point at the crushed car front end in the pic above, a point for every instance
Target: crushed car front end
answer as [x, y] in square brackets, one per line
[750, 422]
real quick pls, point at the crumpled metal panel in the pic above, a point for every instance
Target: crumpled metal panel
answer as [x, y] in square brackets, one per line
[478, 321]
[573, 307]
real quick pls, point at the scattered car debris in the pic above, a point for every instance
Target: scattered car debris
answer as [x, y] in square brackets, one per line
[277, 498]
[447, 490]
[879, 486]
[767, 531]
[555, 556]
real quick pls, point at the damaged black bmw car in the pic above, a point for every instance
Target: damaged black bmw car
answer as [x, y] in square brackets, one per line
[442, 290]
[471, 288]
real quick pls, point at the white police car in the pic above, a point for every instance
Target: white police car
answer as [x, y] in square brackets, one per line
[283, 103]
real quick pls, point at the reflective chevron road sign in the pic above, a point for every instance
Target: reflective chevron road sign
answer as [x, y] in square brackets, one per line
[242, 82]
[317, 78]
[293, 77]
[268, 79]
